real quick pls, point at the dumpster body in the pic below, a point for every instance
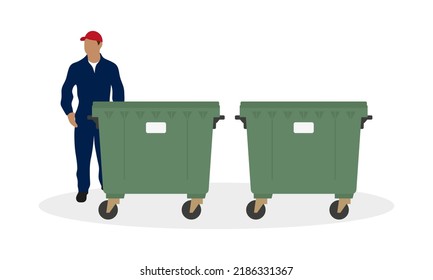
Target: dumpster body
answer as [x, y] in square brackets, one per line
[155, 148]
[304, 148]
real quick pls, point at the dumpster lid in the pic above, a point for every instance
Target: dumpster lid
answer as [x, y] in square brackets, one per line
[154, 104]
[301, 104]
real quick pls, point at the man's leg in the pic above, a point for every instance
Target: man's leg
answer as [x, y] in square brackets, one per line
[83, 152]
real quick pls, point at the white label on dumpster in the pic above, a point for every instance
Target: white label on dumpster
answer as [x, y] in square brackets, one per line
[303, 127]
[156, 127]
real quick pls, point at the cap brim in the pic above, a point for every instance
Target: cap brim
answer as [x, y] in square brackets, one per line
[83, 38]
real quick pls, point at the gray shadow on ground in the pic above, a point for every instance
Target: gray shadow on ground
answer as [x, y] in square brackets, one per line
[224, 207]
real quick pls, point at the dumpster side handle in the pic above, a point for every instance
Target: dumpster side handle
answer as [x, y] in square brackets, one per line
[243, 120]
[95, 119]
[364, 119]
[216, 119]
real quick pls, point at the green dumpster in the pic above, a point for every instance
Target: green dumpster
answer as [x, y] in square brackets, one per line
[155, 148]
[303, 148]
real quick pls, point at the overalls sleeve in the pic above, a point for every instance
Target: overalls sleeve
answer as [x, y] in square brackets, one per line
[117, 86]
[67, 95]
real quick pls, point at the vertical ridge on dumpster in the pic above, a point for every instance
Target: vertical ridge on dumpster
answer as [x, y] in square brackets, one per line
[124, 114]
[187, 114]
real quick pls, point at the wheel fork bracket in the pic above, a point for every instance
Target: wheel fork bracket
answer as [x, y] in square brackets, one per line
[194, 203]
[259, 203]
[342, 202]
[111, 203]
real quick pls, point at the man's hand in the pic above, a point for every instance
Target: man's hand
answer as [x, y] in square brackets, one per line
[71, 118]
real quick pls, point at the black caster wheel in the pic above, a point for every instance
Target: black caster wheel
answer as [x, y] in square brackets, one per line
[187, 214]
[333, 211]
[250, 211]
[103, 211]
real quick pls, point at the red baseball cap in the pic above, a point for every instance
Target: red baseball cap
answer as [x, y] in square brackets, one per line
[92, 35]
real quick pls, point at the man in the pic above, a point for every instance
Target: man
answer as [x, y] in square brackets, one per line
[93, 76]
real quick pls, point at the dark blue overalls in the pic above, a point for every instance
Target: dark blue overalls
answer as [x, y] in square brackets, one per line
[91, 86]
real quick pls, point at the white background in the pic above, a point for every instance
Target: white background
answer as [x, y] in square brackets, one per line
[228, 51]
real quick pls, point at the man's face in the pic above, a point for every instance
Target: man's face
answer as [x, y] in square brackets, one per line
[91, 47]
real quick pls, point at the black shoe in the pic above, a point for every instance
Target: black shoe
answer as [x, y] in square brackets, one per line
[81, 196]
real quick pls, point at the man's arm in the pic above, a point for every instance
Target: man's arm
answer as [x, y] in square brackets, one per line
[117, 86]
[67, 96]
